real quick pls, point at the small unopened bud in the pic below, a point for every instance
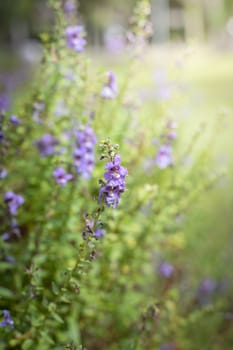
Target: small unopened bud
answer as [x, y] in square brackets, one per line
[92, 255]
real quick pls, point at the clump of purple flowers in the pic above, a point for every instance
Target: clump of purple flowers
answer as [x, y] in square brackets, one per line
[167, 346]
[206, 290]
[94, 228]
[115, 185]
[84, 159]
[69, 7]
[14, 232]
[99, 232]
[7, 320]
[61, 176]
[207, 286]
[3, 173]
[75, 38]
[13, 201]
[14, 120]
[164, 157]
[46, 145]
[166, 269]
[110, 89]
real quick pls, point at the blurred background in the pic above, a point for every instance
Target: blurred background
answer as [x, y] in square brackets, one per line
[172, 21]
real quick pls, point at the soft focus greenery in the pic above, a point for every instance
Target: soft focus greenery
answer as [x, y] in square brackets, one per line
[61, 295]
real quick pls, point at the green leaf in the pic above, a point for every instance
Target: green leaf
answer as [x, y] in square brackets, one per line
[57, 317]
[46, 337]
[28, 344]
[55, 288]
[6, 293]
[64, 299]
[4, 266]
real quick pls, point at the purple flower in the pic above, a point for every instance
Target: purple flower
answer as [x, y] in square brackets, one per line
[10, 259]
[99, 232]
[166, 270]
[115, 184]
[115, 171]
[14, 120]
[69, 7]
[46, 145]
[110, 89]
[164, 157]
[15, 231]
[172, 135]
[75, 39]
[207, 286]
[167, 346]
[86, 136]
[6, 236]
[7, 320]
[84, 159]
[13, 201]
[3, 173]
[84, 162]
[61, 176]
[206, 289]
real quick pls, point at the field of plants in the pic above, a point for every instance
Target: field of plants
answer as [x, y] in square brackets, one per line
[116, 183]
